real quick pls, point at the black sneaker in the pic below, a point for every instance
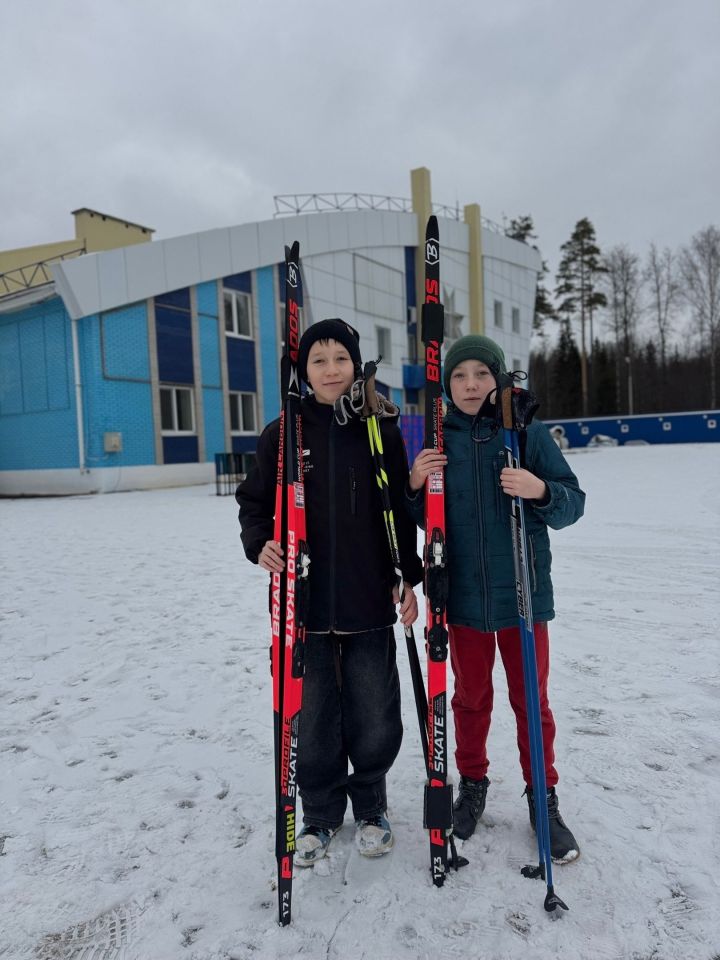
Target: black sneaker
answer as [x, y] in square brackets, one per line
[469, 806]
[563, 845]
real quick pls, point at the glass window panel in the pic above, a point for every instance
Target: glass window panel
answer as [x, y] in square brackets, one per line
[234, 415]
[244, 321]
[228, 306]
[248, 412]
[184, 410]
[498, 310]
[166, 410]
[516, 319]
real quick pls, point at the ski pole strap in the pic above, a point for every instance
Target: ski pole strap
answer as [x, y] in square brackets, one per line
[518, 406]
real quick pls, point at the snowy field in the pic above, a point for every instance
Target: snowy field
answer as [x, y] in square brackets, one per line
[136, 784]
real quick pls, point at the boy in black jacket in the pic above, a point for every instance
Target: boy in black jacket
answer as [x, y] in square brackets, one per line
[351, 692]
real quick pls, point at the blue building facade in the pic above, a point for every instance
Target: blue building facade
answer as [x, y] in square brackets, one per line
[135, 366]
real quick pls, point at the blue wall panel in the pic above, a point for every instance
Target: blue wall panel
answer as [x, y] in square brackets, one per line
[125, 342]
[180, 449]
[32, 360]
[267, 312]
[241, 364]
[175, 298]
[209, 350]
[244, 444]
[11, 394]
[410, 294]
[38, 427]
[174, 345]
[239, 281]
[115, 405]
[207, 299]
[214, 422]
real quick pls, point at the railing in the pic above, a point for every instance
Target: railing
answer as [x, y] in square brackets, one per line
[292, 204]
[32, 274]
[228, 473]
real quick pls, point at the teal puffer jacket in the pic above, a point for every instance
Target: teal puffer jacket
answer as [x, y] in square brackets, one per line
[477, 513]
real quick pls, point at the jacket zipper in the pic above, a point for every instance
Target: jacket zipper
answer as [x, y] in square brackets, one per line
[353, 492]
[331, 515]
[478, 452]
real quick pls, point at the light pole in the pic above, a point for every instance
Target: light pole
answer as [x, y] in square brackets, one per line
[629, 385]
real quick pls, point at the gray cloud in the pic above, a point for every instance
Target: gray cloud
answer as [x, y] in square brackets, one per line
[189, 115]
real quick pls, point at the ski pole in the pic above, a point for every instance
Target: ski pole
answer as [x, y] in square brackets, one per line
[518, 408]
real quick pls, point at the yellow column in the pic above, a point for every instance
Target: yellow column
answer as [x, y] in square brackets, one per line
[477, 292]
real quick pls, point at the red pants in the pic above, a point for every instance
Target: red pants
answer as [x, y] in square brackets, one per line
[472, 655]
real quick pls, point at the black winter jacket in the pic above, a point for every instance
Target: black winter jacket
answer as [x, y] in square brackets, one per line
[351, 573]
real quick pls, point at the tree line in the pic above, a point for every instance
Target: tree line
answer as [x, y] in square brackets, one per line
[621, 334]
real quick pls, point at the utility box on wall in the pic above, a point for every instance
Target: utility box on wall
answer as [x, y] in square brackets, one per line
[113, 443]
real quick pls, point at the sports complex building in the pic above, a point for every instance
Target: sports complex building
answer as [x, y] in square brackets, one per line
[127, 362]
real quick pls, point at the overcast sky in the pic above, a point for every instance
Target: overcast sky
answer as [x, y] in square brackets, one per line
[185, 115]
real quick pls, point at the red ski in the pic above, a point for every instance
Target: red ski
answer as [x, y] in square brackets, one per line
[288, 593]
[438, 793]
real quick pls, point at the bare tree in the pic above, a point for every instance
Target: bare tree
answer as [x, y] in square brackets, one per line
[660, 275]
[700, 272]
[623, 282]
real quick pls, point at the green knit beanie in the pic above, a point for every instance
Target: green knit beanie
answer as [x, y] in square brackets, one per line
[473, 347]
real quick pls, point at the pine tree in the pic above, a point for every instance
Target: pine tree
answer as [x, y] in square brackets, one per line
[577, 279]
[565, 383]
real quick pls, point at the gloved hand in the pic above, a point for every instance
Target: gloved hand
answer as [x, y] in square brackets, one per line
[353, 404]
[350, 405]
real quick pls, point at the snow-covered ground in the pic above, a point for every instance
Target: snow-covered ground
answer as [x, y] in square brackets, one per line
[136, 784]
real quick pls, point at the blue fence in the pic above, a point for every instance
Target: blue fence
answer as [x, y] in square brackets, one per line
[702, 426]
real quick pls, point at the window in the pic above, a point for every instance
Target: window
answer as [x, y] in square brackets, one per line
[516, 319]
[177, 410]
[238, 313]
[242, 413]
[516, 364]
[384, 343]
[498, 311]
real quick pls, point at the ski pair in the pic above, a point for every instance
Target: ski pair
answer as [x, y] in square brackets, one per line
[431, 705]
[288, 596]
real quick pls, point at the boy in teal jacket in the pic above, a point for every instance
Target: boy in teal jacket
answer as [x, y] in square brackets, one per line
[482, 602]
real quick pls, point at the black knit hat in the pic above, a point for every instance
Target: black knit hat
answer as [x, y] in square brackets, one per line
[334, 329]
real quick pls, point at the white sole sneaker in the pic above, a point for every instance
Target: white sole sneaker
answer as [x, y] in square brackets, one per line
[312, 845]
[374, 837]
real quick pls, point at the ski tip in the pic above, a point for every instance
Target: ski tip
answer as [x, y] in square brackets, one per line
[293, 253]
[431, 230]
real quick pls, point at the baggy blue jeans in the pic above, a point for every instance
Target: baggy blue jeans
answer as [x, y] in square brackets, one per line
[350, 715]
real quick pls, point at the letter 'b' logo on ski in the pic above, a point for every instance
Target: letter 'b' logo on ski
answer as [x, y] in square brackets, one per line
[431, 252]
[292, 275]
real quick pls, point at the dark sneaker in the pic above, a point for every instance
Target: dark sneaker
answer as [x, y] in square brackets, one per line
[312, 844]
[469, 806]
[563, 845]
[374, 836]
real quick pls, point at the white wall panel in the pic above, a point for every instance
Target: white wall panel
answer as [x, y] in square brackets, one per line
[215, 256]
[112, 279]
[182, 260]
[145, 271]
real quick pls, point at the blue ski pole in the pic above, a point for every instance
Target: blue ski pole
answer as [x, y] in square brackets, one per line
[518, 408]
